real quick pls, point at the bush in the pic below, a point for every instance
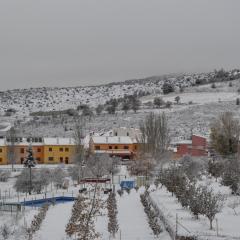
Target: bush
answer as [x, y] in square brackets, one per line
[237, 101]
[215, 168]
[4, 175]
[167, 88]
[213, 85]
[231, 175]
[168, 104]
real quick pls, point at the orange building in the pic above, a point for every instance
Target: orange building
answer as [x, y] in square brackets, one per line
[3, 152]
[121, 146]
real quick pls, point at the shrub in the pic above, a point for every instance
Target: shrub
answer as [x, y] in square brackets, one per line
[167, 88]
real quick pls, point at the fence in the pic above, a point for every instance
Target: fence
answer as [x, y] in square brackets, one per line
[10, 207]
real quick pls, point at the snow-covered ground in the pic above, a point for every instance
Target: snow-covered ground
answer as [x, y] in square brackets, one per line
[54, 224]
[132, 218]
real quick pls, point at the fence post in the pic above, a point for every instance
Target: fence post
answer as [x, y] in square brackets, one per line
[217, 227]
[176, 226]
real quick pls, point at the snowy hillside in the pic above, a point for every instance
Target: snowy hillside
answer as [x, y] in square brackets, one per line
[29, 100]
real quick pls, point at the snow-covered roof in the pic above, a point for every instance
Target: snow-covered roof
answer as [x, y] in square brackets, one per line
[4, 127]
[114, 151]
[182, 142]
[112, 140]
[2, 142]
[58, 141]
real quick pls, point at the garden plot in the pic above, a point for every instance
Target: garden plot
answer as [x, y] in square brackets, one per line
[227, 224]
[133, 223]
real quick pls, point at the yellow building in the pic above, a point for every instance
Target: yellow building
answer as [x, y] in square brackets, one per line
[121, 146]
[59, 150]
[45, 150]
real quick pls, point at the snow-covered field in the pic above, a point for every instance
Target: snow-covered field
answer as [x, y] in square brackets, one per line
[226, 226]
[53, 226]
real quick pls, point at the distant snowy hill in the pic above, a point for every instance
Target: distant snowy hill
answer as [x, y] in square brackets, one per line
[24, 101]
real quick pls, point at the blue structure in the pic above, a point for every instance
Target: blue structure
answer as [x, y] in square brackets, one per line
[40, 202]
[127, 184]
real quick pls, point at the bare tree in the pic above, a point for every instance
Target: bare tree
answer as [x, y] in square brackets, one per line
[233, 205]
[155, 137]
[11, 146]
[212, 204]
[81, 224]
[225, 131]
[5, 232]
[78, 134]
[99, 165]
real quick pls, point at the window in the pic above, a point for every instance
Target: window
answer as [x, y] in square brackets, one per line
[110, 147]
[61, 159]
[38, 159]
[21, 150]
[126, 147]
[135, 147]
[50, 149]
[116, 147]
[0, 149]
[116, 134]
[97, 147]
[66, 149]
[50, 159]
[128, 134]
[0, 159]
[39, 149]
[22, 160]
[61, 149]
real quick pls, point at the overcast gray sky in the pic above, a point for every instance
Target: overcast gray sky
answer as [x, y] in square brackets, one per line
[82, 42]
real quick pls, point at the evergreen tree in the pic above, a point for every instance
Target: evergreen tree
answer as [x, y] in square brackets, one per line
[30, 163]
[237, 101]
[126, 106]
[177, 99]
[135, 103]
[99, 109]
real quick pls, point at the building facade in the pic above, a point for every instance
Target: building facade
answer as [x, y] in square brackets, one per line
[45, 150]
[196, 147]
[120, 146]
